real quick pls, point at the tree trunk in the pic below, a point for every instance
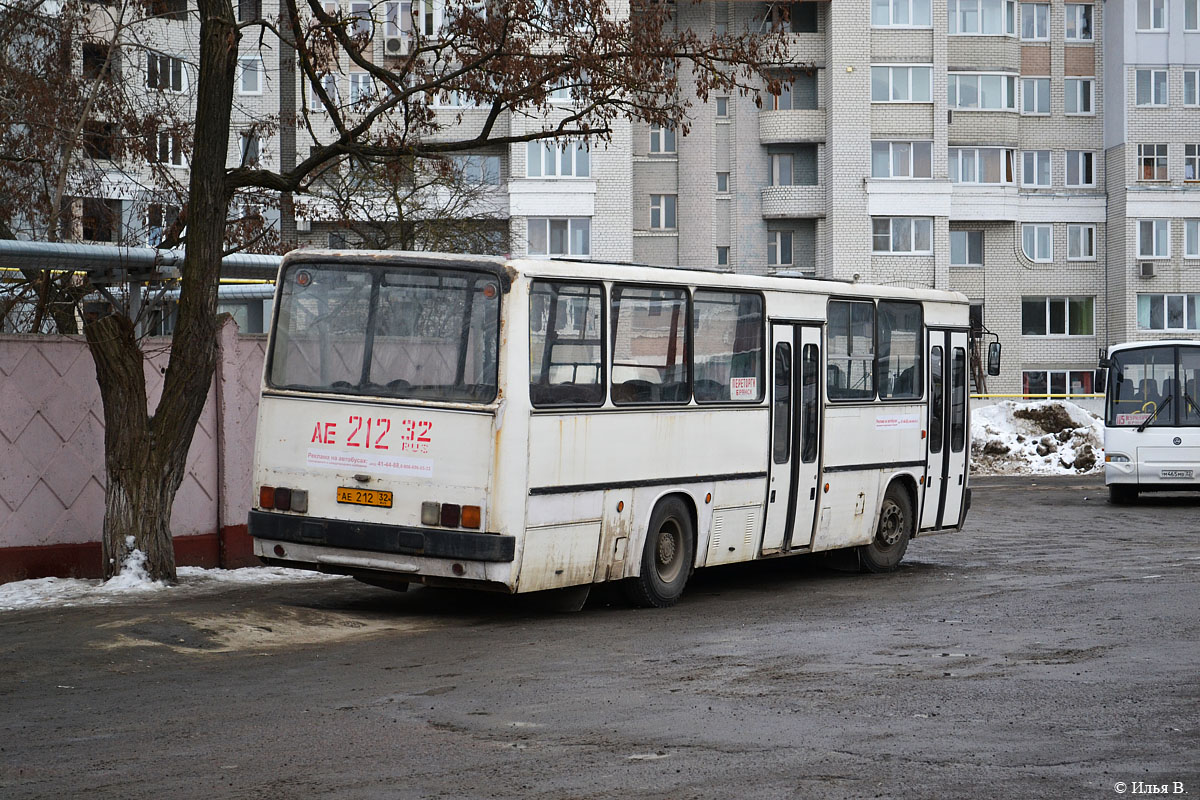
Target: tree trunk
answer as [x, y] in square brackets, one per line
[146, 456]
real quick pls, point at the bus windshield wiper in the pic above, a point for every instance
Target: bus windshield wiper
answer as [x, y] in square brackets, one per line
[1191, 402]
[1150, 419]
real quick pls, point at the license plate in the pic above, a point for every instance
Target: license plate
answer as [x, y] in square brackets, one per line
[1176, 473]
[364, 497]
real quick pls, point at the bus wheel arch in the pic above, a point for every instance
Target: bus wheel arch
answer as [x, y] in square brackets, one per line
[668, 553]
[896, 526]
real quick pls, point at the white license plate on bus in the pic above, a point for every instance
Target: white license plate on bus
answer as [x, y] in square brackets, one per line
[1176, 473]
[364, 497]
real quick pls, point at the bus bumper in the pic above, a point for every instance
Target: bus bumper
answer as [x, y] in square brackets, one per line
[390, 539]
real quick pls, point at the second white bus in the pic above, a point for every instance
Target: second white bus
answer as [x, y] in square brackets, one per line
[523, 425]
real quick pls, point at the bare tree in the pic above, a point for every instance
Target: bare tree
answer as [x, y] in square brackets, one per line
[519, 70]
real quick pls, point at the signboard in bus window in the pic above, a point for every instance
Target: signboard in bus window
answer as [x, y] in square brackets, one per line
[743, 388]
[1132, 419]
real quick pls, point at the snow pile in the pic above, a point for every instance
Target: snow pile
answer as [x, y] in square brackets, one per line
[133, 582]
[1050, 437]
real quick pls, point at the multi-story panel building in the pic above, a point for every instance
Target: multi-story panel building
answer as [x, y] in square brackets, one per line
[1041, 157]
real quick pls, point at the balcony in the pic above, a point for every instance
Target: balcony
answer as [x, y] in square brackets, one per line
[791, 202]
[787, 127]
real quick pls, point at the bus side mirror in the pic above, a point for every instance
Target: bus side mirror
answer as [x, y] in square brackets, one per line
[1100, 382]
[993, 365]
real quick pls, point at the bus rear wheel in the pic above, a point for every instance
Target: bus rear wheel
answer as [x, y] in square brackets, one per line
[896, 526]
[667, 556]
[1122, 494]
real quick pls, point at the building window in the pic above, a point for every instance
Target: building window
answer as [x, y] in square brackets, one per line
[1191, 15]
[250, 149]
[1168, 312]
[1035, 95]
[250, 75]
[722, 104]
[662, 212]
[98, 62]
[477, 169]
[165, 147]
[902, 235]
[901, 159]
[796, 93]
[1152, 162]
[1191, 87]
[723, 182]
[986, 165]
[1041, 382]
[100, 220]
[901, 14]
[982, 17]
[1191, 238]
[1035, 22]
[1057, 316]
[723, 256]
[1154, 238]
[550, 158]
[171, 9]
[1151, 15]
[966, 248]
[1081, 168]
[779, 248]
[159, 219]
[901, 84]
[560, 237]
[981, 92]
[1037, 242]
[1035, 168]
[782, 166]
[1078, 22]
[1151, 87]
[99, 140]
[362, 87]
[1081, 243]
[330, 84]
[662, 140]
[249, 10]
[1191, 162]
[165, 73]
[1078, 94]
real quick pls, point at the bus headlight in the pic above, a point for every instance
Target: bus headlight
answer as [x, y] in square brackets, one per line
[1116, 458]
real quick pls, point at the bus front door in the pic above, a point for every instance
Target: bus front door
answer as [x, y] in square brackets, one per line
[795, 437]
[946, 440]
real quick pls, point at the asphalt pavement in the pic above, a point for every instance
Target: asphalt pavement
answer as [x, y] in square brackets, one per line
[1049, 651]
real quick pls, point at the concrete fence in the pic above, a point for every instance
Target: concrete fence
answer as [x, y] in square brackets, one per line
[52, 457]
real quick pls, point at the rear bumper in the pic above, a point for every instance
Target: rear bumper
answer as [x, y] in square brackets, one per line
[394, 539]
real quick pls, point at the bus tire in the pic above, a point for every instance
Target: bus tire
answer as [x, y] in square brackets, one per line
[1122, 494]
[895, 528]
[667, 557]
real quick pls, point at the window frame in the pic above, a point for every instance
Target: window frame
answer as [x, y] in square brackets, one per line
[911, 6]
[1153, 87]
[775, 239]
[1008, 83]
[851, 301]
[663, 137]
[1090, 238]
[1079, 9]
[1039, 94]
[1154, 158]
[912, 159]
[1192, 73]
[1191, 158]
[603, 366]
[560, 148]
[1154, 238]
[667, 208]
[1008, 18]
[611, 333]
[892, 83]
[1008, 166]
[1088, 83]
[912, 236]
[1195, 306]
[259, 71]
[570, 238]
[1151, 7]
[968, 233]
[1082, 158]
[1191, 237]
[1049, 258]
[1044, 20]
[764, 349]
[1191, 16]
[1066, 301]
[1037, 163]
[160, 59]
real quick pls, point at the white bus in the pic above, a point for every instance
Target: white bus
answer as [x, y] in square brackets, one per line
[523, 425]
[1152, 418]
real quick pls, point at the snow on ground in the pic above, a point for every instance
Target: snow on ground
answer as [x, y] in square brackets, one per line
[1049, 437]
[133, 583]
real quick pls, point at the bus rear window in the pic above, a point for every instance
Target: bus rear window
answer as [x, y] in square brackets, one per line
[426, 334]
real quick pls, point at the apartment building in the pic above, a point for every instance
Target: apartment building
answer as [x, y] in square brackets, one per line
[1041, 157]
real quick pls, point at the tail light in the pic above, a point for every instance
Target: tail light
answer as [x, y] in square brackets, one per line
[281, 498]
[471, 517]
[266, 497]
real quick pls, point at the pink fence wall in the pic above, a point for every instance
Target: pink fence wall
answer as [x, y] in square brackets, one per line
[52, 456]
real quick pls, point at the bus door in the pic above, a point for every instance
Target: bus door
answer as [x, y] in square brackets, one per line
[946, 442]
[795, 437]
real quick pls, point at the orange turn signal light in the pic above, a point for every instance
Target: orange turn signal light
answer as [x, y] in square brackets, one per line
[266, 497]
[471, 516]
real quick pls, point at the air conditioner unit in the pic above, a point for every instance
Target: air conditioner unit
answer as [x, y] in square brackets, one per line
[303, 224]
[1146, 269]
[395, 45]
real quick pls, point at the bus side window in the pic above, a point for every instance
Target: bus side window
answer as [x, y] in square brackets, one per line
[650, 345]
[727, 350]
[781, 412]
[958, 401]
[566, 344]
[937, 400]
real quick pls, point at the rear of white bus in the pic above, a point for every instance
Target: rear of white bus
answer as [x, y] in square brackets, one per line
[1152, 418]
[378, 420]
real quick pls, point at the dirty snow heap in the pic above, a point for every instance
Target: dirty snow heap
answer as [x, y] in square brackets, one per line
[1050, 437]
